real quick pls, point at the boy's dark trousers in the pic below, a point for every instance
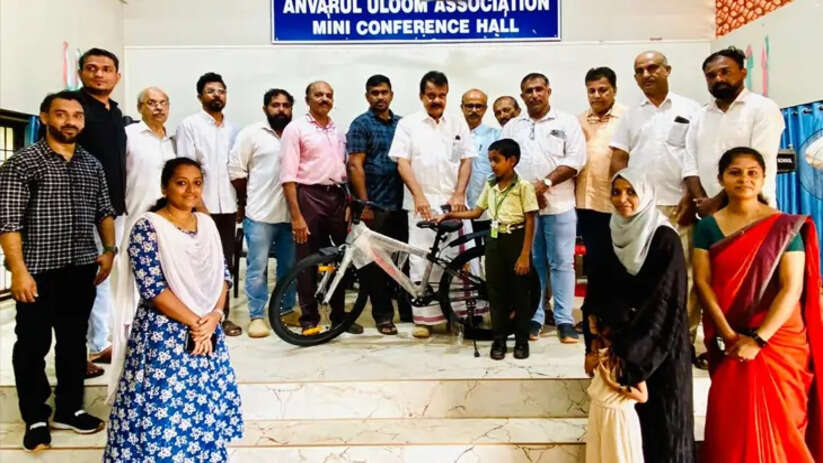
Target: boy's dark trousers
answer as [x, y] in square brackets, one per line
[64, 304]
[509, 291]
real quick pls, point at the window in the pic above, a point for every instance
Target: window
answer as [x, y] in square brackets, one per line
[12, 134]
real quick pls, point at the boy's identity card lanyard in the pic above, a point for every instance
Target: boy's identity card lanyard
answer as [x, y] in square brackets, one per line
[495, 222]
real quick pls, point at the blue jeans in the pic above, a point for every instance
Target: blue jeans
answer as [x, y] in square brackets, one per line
[553, 250]
[260, 238]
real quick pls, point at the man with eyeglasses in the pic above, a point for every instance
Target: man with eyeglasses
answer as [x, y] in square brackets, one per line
[207, 137]
[553, 150]
[434, 153]
[104, 136]
[474, 106]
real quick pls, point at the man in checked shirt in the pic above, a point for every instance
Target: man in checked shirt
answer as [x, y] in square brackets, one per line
[53, 195]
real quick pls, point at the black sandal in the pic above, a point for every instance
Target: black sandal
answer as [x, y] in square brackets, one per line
[386, 328]
[701, 362]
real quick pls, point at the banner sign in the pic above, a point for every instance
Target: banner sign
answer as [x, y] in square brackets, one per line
[414, 20]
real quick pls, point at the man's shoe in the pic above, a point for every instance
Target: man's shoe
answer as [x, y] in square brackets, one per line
[421, 331]
[37, 437]
[355, 329]
[93, 371]
[290, 319]
[498, 351]
[231, 328]
[79, 422]
[534, 331]
[521, 350]
[104, 356]
[567, 333]
[258, 329]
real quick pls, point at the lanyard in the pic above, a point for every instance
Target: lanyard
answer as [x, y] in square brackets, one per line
[502, 198]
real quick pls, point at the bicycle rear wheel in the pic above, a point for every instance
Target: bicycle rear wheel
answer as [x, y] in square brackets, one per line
[463, 292]
[318, 271]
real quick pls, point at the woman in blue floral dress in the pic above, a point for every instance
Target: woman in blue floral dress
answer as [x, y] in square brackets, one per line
[177, 398]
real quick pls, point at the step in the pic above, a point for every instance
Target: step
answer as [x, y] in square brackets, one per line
[455, 439]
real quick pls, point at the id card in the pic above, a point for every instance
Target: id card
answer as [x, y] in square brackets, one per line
[493, 228]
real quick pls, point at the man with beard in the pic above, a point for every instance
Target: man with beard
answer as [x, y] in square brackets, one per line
[105, 138]
[652, 136]
[374, 178]
[736, 117]
[505, 109]
[553, 150]
[254, 169]
[474, 105]
[53, 195]
[207, 138]
[434, 152]
[313, 173]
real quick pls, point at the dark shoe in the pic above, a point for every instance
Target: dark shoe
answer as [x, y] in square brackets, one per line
[567, 333]
[386, 328]
[701, 362]
[579, 328]
[355, 329]
[104, 356]
[231, 328]
[521, 350]
[498, 351]
[93, 371]
[534, 331]
[79, 422]
[37, 437]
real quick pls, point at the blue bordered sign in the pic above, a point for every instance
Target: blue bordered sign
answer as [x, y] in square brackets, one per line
[304, 21]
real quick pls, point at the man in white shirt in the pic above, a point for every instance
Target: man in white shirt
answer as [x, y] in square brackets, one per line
[254, 169]
[207, 138]
[652, 136]
[553, 150]
[434, 151]
[735, 117]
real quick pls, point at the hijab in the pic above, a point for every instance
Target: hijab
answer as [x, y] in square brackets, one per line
[632, 236]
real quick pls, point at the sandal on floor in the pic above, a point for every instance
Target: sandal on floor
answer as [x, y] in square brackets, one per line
[386, 328]
[231, 329]
[93, 371]
[701, 362]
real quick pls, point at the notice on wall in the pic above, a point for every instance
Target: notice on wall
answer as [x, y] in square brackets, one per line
[414, 20]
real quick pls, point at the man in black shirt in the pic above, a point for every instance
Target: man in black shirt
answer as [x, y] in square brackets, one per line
[53, 196]
[104, 137]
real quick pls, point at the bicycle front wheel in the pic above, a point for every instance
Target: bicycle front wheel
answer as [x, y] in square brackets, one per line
[297, 311]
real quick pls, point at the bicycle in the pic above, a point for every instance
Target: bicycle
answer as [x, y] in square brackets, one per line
[333, 272]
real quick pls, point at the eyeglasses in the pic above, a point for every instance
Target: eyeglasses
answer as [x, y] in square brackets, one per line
[157, 104]
[215, 91]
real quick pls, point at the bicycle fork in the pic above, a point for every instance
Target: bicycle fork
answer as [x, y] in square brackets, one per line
[341, 271]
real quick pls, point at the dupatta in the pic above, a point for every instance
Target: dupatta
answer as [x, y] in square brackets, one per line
[743, 278]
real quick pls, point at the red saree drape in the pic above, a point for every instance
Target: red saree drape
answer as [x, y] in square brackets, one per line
[768, 409]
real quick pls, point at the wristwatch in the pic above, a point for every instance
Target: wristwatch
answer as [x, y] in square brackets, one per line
[547, 182]
[111, 249]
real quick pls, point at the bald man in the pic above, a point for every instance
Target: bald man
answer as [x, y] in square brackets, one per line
[474, 106]
[312, 171]
[652, 136]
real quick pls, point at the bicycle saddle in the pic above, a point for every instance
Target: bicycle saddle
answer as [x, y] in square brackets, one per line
[447, 226]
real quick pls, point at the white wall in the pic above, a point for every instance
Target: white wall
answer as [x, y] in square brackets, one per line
[794, 58]
[32, 33]
[495, 68]
[170, 43]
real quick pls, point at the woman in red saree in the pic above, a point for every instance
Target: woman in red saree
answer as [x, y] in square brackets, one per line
[757, 274]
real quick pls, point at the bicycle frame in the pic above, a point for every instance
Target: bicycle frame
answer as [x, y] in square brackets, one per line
[364, 246]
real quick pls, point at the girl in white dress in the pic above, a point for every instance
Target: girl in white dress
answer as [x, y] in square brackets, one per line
[614, 428]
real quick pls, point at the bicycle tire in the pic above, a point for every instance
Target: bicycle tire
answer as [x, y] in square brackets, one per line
[458, 263]
[298, 339]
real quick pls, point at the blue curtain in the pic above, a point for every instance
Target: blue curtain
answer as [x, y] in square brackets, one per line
[32, 131]
[800, 192]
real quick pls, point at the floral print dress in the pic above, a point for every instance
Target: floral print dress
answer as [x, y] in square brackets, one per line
[170, 406]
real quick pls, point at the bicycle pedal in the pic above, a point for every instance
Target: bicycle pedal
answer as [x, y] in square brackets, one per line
[325, 268]
[312, 331]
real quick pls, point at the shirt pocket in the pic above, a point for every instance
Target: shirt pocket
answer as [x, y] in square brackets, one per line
[554, 144]
[455, 149]
[677, 132]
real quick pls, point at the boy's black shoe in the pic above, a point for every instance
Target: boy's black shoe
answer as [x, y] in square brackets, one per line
[521, 350]
[79, 422]
[498, 351]
[37, 437]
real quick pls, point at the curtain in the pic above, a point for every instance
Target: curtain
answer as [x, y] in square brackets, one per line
[800, 192]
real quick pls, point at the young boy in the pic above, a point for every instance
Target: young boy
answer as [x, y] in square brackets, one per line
[510, 279]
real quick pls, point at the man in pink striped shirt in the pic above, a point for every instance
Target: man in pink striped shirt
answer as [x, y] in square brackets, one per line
[313, 170]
